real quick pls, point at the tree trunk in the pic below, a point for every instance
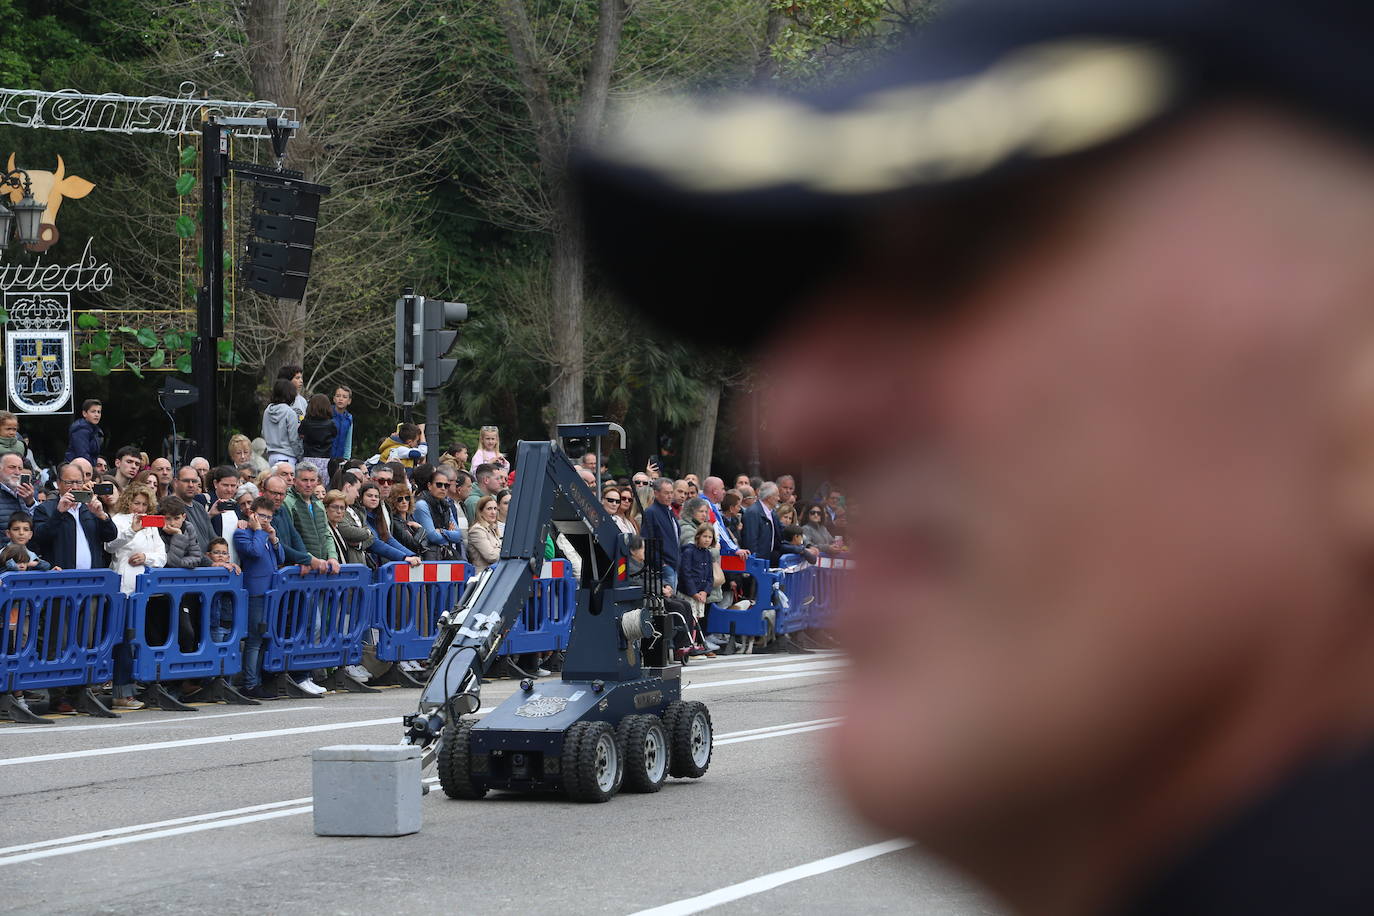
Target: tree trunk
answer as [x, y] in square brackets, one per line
[569, 267]
[766, 69]
[700, 440]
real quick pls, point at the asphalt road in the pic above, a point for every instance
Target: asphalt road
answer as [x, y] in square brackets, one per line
[210, 811]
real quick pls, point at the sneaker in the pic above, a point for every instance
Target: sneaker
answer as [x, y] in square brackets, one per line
[542, 672]
[65, 706]
[126, 703]
[710, 643]
[357, 672]
[261, 692]
[310, 687]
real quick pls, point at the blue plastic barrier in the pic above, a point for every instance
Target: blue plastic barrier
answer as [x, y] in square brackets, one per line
[164, 592]
[546, 622]
[60, 628]
[317, 620]
[407, 603]
[830, 575]
[799, 587]
[750, 621]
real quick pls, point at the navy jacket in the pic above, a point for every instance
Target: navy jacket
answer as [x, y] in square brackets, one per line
[659, 522]
[258, 557]
[762, 535]
[84, 440]
[54, 535]
[695, 574]
[293, 548]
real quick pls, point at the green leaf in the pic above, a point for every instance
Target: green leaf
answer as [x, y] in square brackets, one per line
[87, 322]
[116, 357]
[146, 338]
[100, 340]
[136, 369]
[4, 316]
[85, 348]
[125, 329]
[183, 363]
[228, 261]
[191, 289]
[100, 365]
[185, 226]
[185, 182]
[188, 156]
[158, 359]
[172, 341]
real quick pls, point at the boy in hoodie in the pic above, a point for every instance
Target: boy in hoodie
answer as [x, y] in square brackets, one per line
[85, 438]
[406, 445]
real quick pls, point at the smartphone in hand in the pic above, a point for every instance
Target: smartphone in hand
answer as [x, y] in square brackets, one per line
[154, 521]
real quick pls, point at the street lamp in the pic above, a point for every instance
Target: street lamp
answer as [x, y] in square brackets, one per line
[28, 211]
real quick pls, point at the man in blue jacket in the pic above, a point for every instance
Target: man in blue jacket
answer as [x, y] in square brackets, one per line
[659, 523]
[260, 552]
[762, 534]
[85, 438]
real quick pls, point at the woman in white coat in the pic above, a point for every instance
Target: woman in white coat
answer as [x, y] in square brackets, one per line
[134, 549]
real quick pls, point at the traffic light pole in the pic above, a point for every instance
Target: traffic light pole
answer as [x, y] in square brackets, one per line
[210, 299]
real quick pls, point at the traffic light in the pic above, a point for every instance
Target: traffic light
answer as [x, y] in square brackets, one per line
[439, 340]
[408, 386]
[285, 215]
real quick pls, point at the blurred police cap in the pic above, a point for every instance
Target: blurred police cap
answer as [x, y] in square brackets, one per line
[714, 212]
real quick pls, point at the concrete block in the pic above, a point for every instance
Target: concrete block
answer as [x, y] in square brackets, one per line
[367, 790]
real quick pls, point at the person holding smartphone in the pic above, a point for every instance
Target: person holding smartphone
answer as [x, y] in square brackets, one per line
[260, 551]
[16, 491]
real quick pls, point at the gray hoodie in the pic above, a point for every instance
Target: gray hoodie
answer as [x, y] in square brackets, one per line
[279, 426]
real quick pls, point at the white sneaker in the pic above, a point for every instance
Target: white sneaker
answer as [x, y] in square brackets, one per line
[542, 672]
[310, 687]
[357, 672]
[710, 643]
[410, 666]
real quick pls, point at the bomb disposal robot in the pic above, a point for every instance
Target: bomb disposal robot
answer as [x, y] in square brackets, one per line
[617, 718]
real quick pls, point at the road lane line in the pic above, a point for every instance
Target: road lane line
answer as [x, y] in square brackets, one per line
[196, 823]
[754, 680]
[739, 660]
[156, 835]
[333, 726]
[193, 742]
[774, 734]
[775, 879]
[772, 728]
[49, 730]
[139, 828]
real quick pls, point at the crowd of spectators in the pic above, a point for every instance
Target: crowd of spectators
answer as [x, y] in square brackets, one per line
[296, 496]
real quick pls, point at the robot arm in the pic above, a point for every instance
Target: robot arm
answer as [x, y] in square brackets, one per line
[547, 490]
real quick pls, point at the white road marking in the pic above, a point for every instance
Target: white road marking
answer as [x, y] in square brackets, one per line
[174, 822]
[193, 742]
[820, 664]
[775, 879]
[719, 742]
[699, 685]
[233, 817]
[61, 729]
[742, 661]
[833, 720]
[307, 729]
